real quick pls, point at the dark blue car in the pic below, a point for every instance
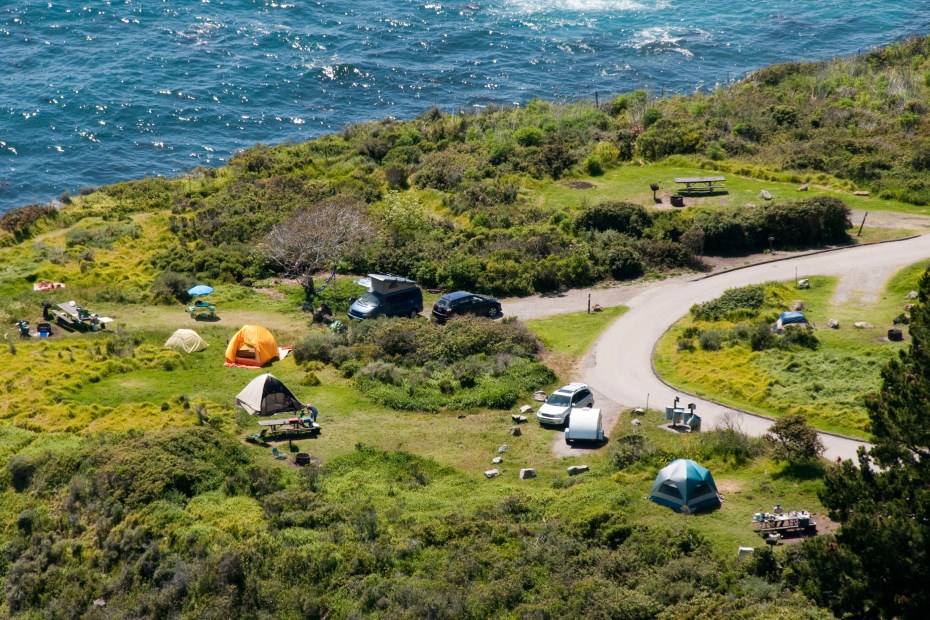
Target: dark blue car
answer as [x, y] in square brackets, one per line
[462, 302]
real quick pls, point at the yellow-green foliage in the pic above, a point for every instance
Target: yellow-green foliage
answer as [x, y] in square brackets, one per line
[38, 380]
[235, 516]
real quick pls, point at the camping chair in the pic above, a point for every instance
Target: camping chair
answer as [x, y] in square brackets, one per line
[278, 454]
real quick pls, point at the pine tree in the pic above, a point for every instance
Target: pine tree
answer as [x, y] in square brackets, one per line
[878, 564]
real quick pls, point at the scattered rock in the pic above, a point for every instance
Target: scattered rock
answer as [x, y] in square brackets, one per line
[743, 551]
[863, 325]
[574, 470]
[461, 417]
[639, 411]
[833, 324]
[515, 431]
[503, 449]
[492, 473]
[526, 409]
[497, 460]
[803, 188]
[519, 419]
[597, 308]
[765, 195]
[912, 295]
[861, 192]
[100, 602]
[526, 474]
[805, 283]
[635, 422]
[908, 307]
[797, 304]
[895, 335]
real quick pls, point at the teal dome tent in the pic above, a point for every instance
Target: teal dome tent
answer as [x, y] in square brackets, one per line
[685, 486]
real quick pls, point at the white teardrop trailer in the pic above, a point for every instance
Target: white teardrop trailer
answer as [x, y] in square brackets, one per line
[585, 425]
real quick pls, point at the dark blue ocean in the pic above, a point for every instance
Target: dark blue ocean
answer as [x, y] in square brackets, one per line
[94, 92]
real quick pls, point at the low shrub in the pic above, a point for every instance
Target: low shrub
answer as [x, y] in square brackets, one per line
[735, 303]
[19, 222]
[318, 346]
[171, 287]
[711, 340]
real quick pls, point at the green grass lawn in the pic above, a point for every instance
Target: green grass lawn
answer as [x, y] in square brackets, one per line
[631, 182]
[573, 334]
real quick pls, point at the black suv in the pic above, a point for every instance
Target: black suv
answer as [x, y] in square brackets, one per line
[462, 302]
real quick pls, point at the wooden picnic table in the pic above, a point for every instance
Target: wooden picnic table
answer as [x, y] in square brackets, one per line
[795, 521]
[290, 425]
[79, 318]
[703, 184]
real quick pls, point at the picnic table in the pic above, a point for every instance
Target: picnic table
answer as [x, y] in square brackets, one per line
[202, 309]
[702, 184]
[784, 522]
[290, 426]
[71, 316]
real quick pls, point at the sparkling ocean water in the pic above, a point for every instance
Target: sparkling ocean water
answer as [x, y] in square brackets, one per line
[93, 92]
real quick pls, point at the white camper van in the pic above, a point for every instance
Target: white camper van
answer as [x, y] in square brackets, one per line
[585, 425]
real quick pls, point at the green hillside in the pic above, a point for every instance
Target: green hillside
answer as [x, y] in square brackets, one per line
[129, 489]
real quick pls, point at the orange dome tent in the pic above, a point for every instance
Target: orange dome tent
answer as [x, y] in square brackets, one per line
[252, 346]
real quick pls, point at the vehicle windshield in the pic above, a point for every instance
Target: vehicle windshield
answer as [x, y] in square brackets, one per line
[369, 299]
[559, 400]
[443, 303]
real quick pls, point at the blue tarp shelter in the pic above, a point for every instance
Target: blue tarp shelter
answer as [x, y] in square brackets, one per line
[685, 486]
[789, 318]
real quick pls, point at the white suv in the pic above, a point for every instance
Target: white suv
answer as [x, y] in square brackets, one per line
[560, 403]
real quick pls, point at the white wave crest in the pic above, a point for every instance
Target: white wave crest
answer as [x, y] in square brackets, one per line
[668, 39]
[584, 6]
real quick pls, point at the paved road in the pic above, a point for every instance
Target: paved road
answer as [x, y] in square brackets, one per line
[625, 349]
[620, 364]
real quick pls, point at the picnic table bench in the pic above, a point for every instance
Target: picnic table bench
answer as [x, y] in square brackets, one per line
[202, 308]
[794, 521]
[76, 317]
[702, 184]
[290, 426]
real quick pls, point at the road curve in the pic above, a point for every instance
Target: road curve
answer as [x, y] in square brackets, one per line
[620, 364]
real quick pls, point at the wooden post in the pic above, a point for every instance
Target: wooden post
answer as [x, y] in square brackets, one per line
[597, 103]
[863, 223]
[589, 303]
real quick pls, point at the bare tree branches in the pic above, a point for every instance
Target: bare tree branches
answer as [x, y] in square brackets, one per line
[316, 238]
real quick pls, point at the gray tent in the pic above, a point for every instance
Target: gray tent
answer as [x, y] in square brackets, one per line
[266, 395]
[186, 340]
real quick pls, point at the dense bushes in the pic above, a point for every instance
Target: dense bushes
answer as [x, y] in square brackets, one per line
[805, 223]
[752, 311]
[19, 222]
[624, 217]
[467, 363]
[734, 304]
[170, 286]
